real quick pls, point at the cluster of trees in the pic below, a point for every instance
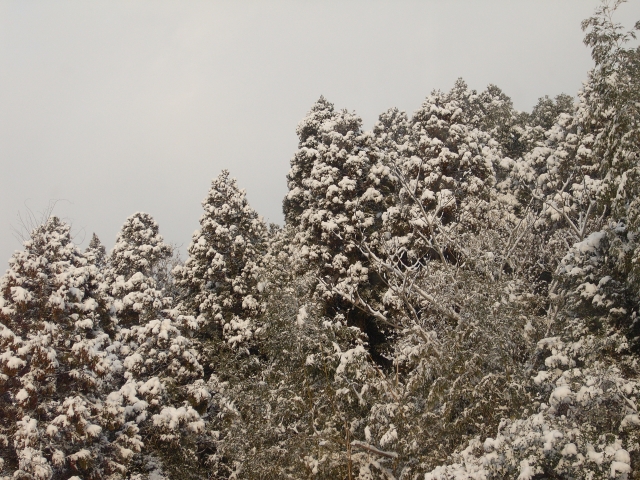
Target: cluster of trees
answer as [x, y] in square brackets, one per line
[454, 295]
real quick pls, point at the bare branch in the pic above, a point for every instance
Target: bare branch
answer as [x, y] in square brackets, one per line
[426, 296]
[374, 450]
[424, 213]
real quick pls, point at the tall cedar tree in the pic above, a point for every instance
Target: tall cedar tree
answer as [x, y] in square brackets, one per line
[56, 329]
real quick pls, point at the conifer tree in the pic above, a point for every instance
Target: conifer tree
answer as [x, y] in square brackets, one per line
[288, 412]
[342, 200]
[309, 137]
[454, 296]
[96, 252]
[547, 110]
[219, 277]
[329, 223]
[131, 267]
[221, 286]
[158, 356]
[445, 184]
[58, 366]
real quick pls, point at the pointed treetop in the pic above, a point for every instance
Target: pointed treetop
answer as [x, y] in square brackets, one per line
[460, 89]
[321, 111]
[226, 202]
[52, 240]
[218, 275]
[95, 242]
[51, 279]
[95, 252]
[139, 246]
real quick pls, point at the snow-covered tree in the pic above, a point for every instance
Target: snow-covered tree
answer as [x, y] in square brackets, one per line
[585, 371]
[219, 278]
[309, 137]
[547, 110]
[158, 356]
[584, 420]
[454, 295]
[288, 412]
[339, 203]
[326, 188]
[139, 247]
[610, 111]
[131, 268]
[96, 252]
[57, 365]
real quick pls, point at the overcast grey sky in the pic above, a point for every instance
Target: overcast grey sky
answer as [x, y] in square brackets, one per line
[124, 106]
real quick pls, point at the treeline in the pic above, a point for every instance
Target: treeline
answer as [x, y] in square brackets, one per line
[454, 295]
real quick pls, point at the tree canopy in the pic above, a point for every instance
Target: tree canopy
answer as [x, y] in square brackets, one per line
[454, 295]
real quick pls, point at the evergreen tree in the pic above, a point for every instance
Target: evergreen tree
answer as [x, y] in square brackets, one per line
[131, 269]
[58, 365]
[454, 296]
[288, 412]
[309, 136]
[547, 110]
[96, 253]
[446, 183]
[219, 276]
[221, 285]
[342, 201]
[159, 359]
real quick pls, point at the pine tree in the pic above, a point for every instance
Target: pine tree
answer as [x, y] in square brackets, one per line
[221, 300]
[340, 203]
[446, 184]
[162, 370]
[334, 188]
[287, 413]
[454, 296]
